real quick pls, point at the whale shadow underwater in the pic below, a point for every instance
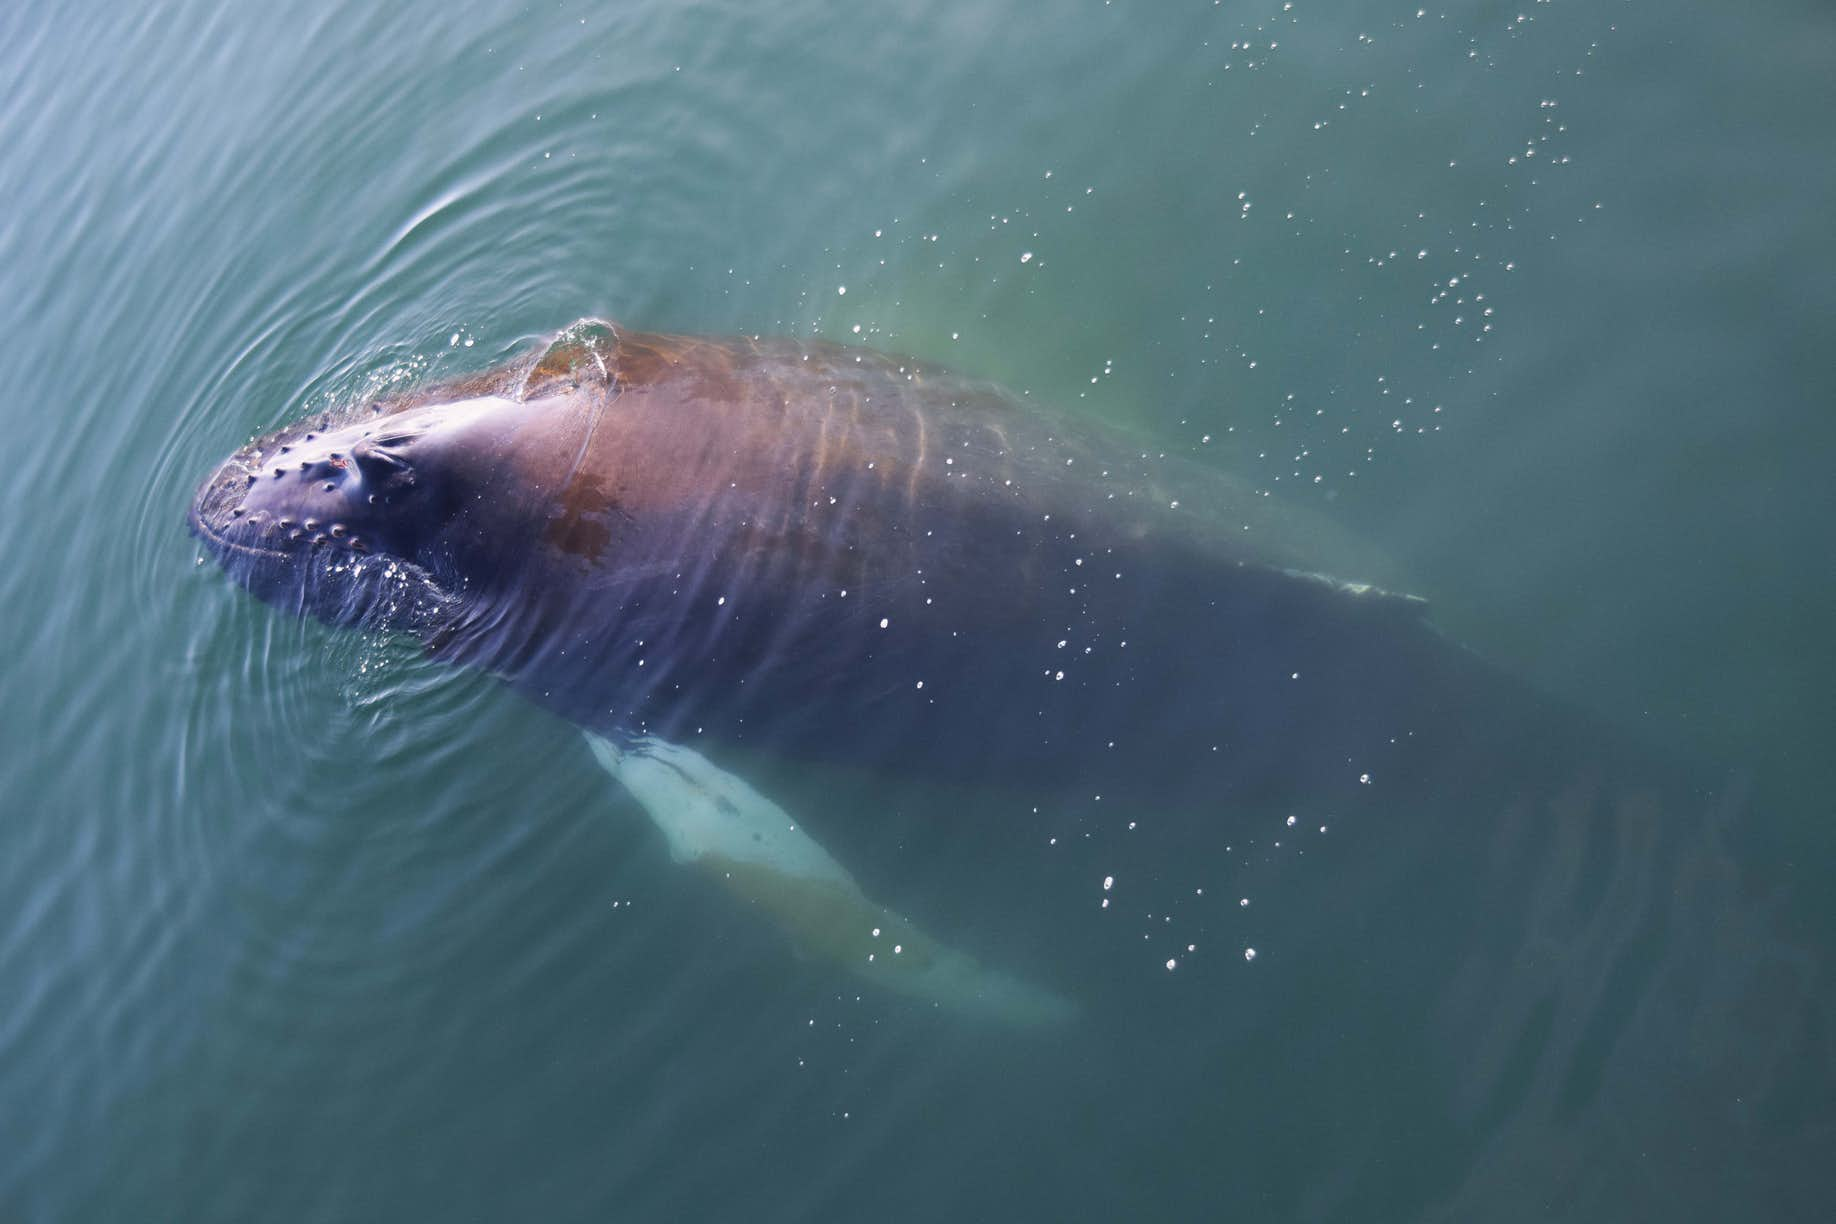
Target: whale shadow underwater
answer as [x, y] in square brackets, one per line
[732, 562]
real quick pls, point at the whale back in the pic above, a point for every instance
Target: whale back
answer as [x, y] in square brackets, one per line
[837, 554]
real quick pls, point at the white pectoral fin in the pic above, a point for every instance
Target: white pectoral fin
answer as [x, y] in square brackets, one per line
[720, 824]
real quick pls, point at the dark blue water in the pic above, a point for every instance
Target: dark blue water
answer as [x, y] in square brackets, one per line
[1530, 300]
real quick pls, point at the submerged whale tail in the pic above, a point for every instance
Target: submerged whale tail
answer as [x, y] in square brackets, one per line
[723, 826]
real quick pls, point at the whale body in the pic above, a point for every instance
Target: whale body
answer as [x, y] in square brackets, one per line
[688, 546]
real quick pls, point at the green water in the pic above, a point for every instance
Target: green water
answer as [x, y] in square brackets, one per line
[296, 925]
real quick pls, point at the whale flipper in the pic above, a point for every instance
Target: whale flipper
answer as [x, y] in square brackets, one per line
[720, 824]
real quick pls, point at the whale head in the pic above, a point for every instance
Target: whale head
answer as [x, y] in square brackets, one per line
[333, 518]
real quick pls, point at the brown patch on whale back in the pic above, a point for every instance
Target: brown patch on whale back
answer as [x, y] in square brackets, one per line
[705, 367]
[583, 526]
[644, 360]
[752, 414]
[820, 464]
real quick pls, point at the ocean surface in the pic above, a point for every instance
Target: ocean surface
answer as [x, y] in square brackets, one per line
[1534, 298]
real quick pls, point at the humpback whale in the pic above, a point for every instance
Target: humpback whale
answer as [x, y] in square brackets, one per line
[689, 546]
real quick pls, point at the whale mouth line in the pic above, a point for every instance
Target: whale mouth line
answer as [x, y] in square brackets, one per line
[222, 481]
[217, 539]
